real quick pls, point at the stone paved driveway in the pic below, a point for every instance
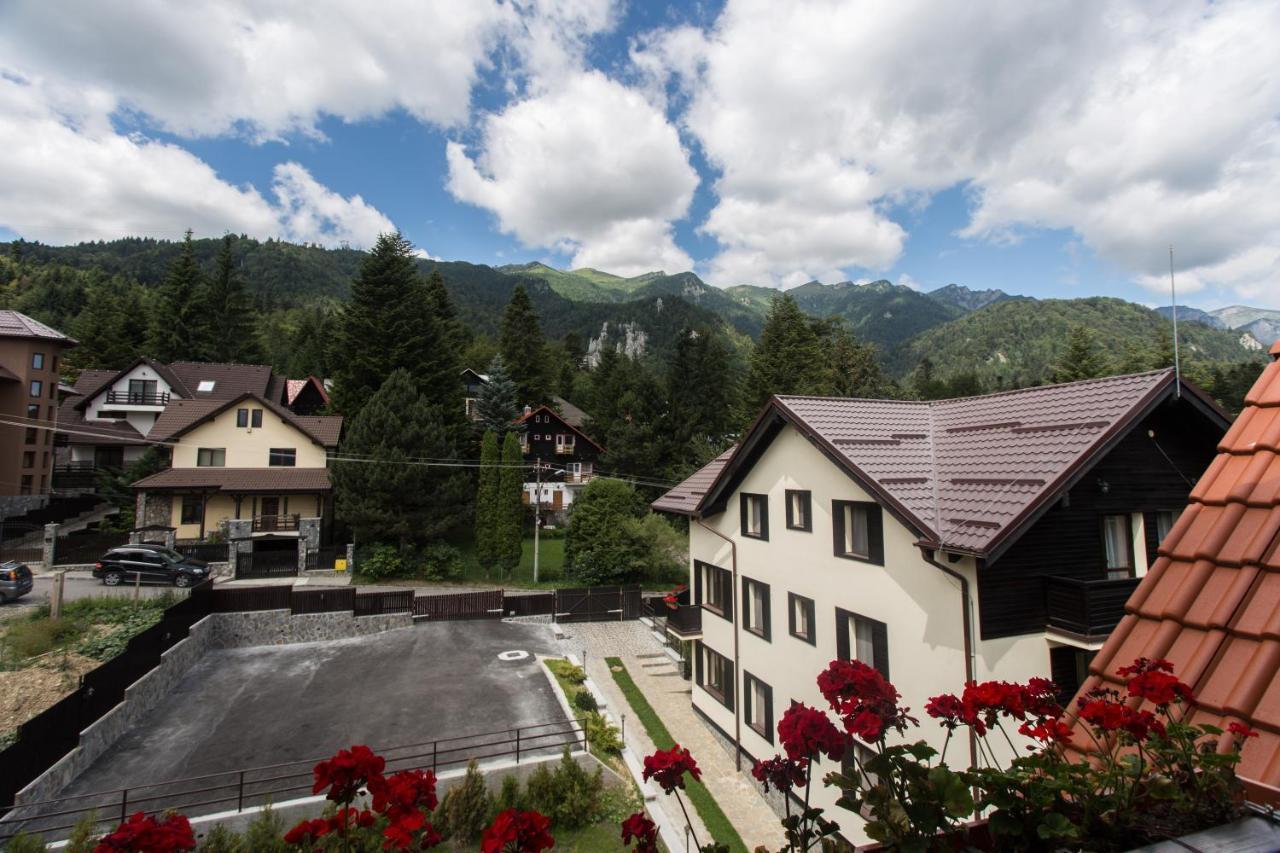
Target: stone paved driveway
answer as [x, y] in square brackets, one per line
[659, 679]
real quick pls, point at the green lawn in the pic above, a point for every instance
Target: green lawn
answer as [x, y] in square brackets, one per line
[712, 817]
[550, 566]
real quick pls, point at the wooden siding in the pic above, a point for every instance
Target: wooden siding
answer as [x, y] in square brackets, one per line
[541, 438]
[1067, 540]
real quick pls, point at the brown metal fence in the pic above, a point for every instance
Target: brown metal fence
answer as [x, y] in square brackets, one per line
[379, 603]
[323, 600]
[85, 546]
[462, 605]
[537, 604]
[249, 598]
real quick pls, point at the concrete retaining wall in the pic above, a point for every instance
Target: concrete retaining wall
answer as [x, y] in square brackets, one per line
[217, 631]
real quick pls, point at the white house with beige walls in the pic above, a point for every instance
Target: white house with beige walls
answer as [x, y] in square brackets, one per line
[989, 537]
[246, 458]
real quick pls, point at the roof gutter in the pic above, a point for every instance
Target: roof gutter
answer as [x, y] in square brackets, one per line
[967, 623]
[737, 705]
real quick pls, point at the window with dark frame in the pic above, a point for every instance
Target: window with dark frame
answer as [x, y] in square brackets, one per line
[713, 589]
[37, 361]
[799, 510]
[25, 488]
[755, 608]
[858, 531]
[256, 418]
[33, 411]
[755, 516]
[242, 418]
[37, 388]
[757, 706]
[800, 618]
[28, 459]
[714, 674]
[282, 457]
[863, 639]
[1117, 542]
[1164, 521]
[192, 509]
[211, 457]
[32, 436]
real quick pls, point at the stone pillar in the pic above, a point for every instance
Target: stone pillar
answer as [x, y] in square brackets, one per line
[351, 557]
[308, 540]
[239, 533]
[170, 538]
[50, 544]
[135, 537]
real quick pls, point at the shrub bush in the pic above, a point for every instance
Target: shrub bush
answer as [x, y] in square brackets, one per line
[439, 562]
[382, 561]
[540, 792]
[264, 833]
[24, 843]
[577, 794]
[509, 797]
[602, 736]
[466, 808]
[573, 674]
[30, 638]
[584, 701]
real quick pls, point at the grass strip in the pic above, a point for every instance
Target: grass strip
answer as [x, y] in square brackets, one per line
[708, 809]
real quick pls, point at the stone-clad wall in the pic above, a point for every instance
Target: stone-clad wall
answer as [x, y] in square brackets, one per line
[217, 631]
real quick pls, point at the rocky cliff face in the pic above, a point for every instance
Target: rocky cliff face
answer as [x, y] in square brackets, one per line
[626, 338]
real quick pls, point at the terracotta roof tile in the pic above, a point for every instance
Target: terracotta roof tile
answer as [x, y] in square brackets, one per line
[1211, 602]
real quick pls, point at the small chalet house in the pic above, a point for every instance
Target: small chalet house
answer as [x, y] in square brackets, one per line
[568, 454]
[247, 459]
[987, 537]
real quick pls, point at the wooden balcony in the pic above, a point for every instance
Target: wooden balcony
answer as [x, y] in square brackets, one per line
[565, 449]
[128, 398]
[1089, 609]
[275, 523]
[685, 621]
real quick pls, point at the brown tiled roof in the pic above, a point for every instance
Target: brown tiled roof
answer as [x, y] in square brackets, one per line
[571, 414]
[229, 380]
[182, 415]
[1211, 602]
[15, 324]
[91, 380]
[239, 479]
[685, 497]
[103, 378]
[966, 473]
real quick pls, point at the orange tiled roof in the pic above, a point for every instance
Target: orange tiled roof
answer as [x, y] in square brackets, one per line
[1211, 603]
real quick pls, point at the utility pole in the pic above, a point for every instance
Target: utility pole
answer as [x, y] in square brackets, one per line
[537, 513]
[1177, 367]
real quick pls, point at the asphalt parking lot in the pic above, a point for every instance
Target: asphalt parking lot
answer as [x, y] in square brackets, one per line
[245, 708]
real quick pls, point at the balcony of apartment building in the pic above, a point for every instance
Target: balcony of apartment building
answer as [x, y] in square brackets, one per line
[1085, 610]
[276, 523]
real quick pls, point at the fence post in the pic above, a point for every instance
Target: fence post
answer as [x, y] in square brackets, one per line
[240, 794]
[124, 804]
[50, 544]
[517, 746]
[434, 745]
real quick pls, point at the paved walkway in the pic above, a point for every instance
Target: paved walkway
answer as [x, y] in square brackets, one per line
[659, 679]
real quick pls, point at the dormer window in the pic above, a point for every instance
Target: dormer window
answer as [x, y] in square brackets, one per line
[206, 386]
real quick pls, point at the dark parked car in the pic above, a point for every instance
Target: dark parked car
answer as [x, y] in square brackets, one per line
[15, 580]
[149, 564]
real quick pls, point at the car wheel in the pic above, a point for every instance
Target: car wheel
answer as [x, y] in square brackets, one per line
[112, 578]
[183, 581]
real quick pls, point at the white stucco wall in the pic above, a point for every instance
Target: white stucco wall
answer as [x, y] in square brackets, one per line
[121, 385]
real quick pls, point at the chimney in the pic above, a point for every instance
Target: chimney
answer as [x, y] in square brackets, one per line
[528, 410]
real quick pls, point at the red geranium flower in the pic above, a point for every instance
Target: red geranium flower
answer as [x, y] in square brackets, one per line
[142, 834]
[308, 831]
[1115, 717]
[948, 708]
[1159, 688]
[1240, 730]
[1141, 665]
[865, 701]
[1047, 731]
[669, 766]
[347, 772]
[515, 831]
[807, 732]
[643, 830]
[780, 773]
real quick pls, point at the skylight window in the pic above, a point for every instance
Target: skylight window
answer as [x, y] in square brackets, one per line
[205, 386]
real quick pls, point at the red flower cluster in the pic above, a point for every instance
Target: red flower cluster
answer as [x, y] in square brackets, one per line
[780, 773]
[983, 703]
[404, 798]
[142, 834]
[345, 818]
[1240, 730]
[1050, 730]
[515, 831]
[1159, 688]
[865, 701]
[1113, 717]
[672, 599]
[669, 766]
[347, 772]
[643, 830]
[807, 732]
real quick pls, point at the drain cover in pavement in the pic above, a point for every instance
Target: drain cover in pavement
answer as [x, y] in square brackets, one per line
[514, 654]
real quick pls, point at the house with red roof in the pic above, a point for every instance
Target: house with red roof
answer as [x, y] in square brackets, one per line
[989, 537]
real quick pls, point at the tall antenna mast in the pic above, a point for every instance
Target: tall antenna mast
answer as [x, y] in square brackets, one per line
[1177, 367]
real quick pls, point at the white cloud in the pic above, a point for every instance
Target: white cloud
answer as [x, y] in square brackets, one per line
[86, 182]
[591, 168]
[906, 280]
[1134, 124]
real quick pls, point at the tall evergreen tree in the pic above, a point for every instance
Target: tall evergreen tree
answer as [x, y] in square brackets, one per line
[1081, 359]
[854, 367]
[441, 303]
[233, 337]
[390, 323]
[386, 495]
[487, 528]
[789, 358]
[108, 326]
[520, 342]
[702, 393]
[179, 328]
[497, 404]
[509, 511]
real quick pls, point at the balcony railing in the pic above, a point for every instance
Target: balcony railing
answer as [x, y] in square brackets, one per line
[685, 620]
[1086, 608]
[584, 477]
[565, 449]
[137, 398]
[275, 523]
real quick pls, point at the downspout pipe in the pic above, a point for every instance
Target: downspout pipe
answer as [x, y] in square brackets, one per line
[737, 703]
[969, 675]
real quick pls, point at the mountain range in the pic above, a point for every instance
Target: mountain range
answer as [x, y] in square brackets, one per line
[1004, 338]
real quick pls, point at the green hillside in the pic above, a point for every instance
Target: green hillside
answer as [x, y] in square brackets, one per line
[1016, 342]
[585, 284]
[883, 313]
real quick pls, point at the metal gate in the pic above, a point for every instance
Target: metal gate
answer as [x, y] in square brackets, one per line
[21, 541]
[598, 604]
[269, 559]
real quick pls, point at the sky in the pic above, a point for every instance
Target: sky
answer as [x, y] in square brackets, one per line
[1054, 149]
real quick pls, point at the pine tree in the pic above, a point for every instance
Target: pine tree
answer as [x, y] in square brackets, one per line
[441, 304]
[702, 395]
[179, 327]
[107, 327]
[388, 495]
[1081, 360]
[509, 512]
[497, 405]
[233, 337]
[390, 323]
[854, 368]
[487, 531]
[520, 342]
[789, 358]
